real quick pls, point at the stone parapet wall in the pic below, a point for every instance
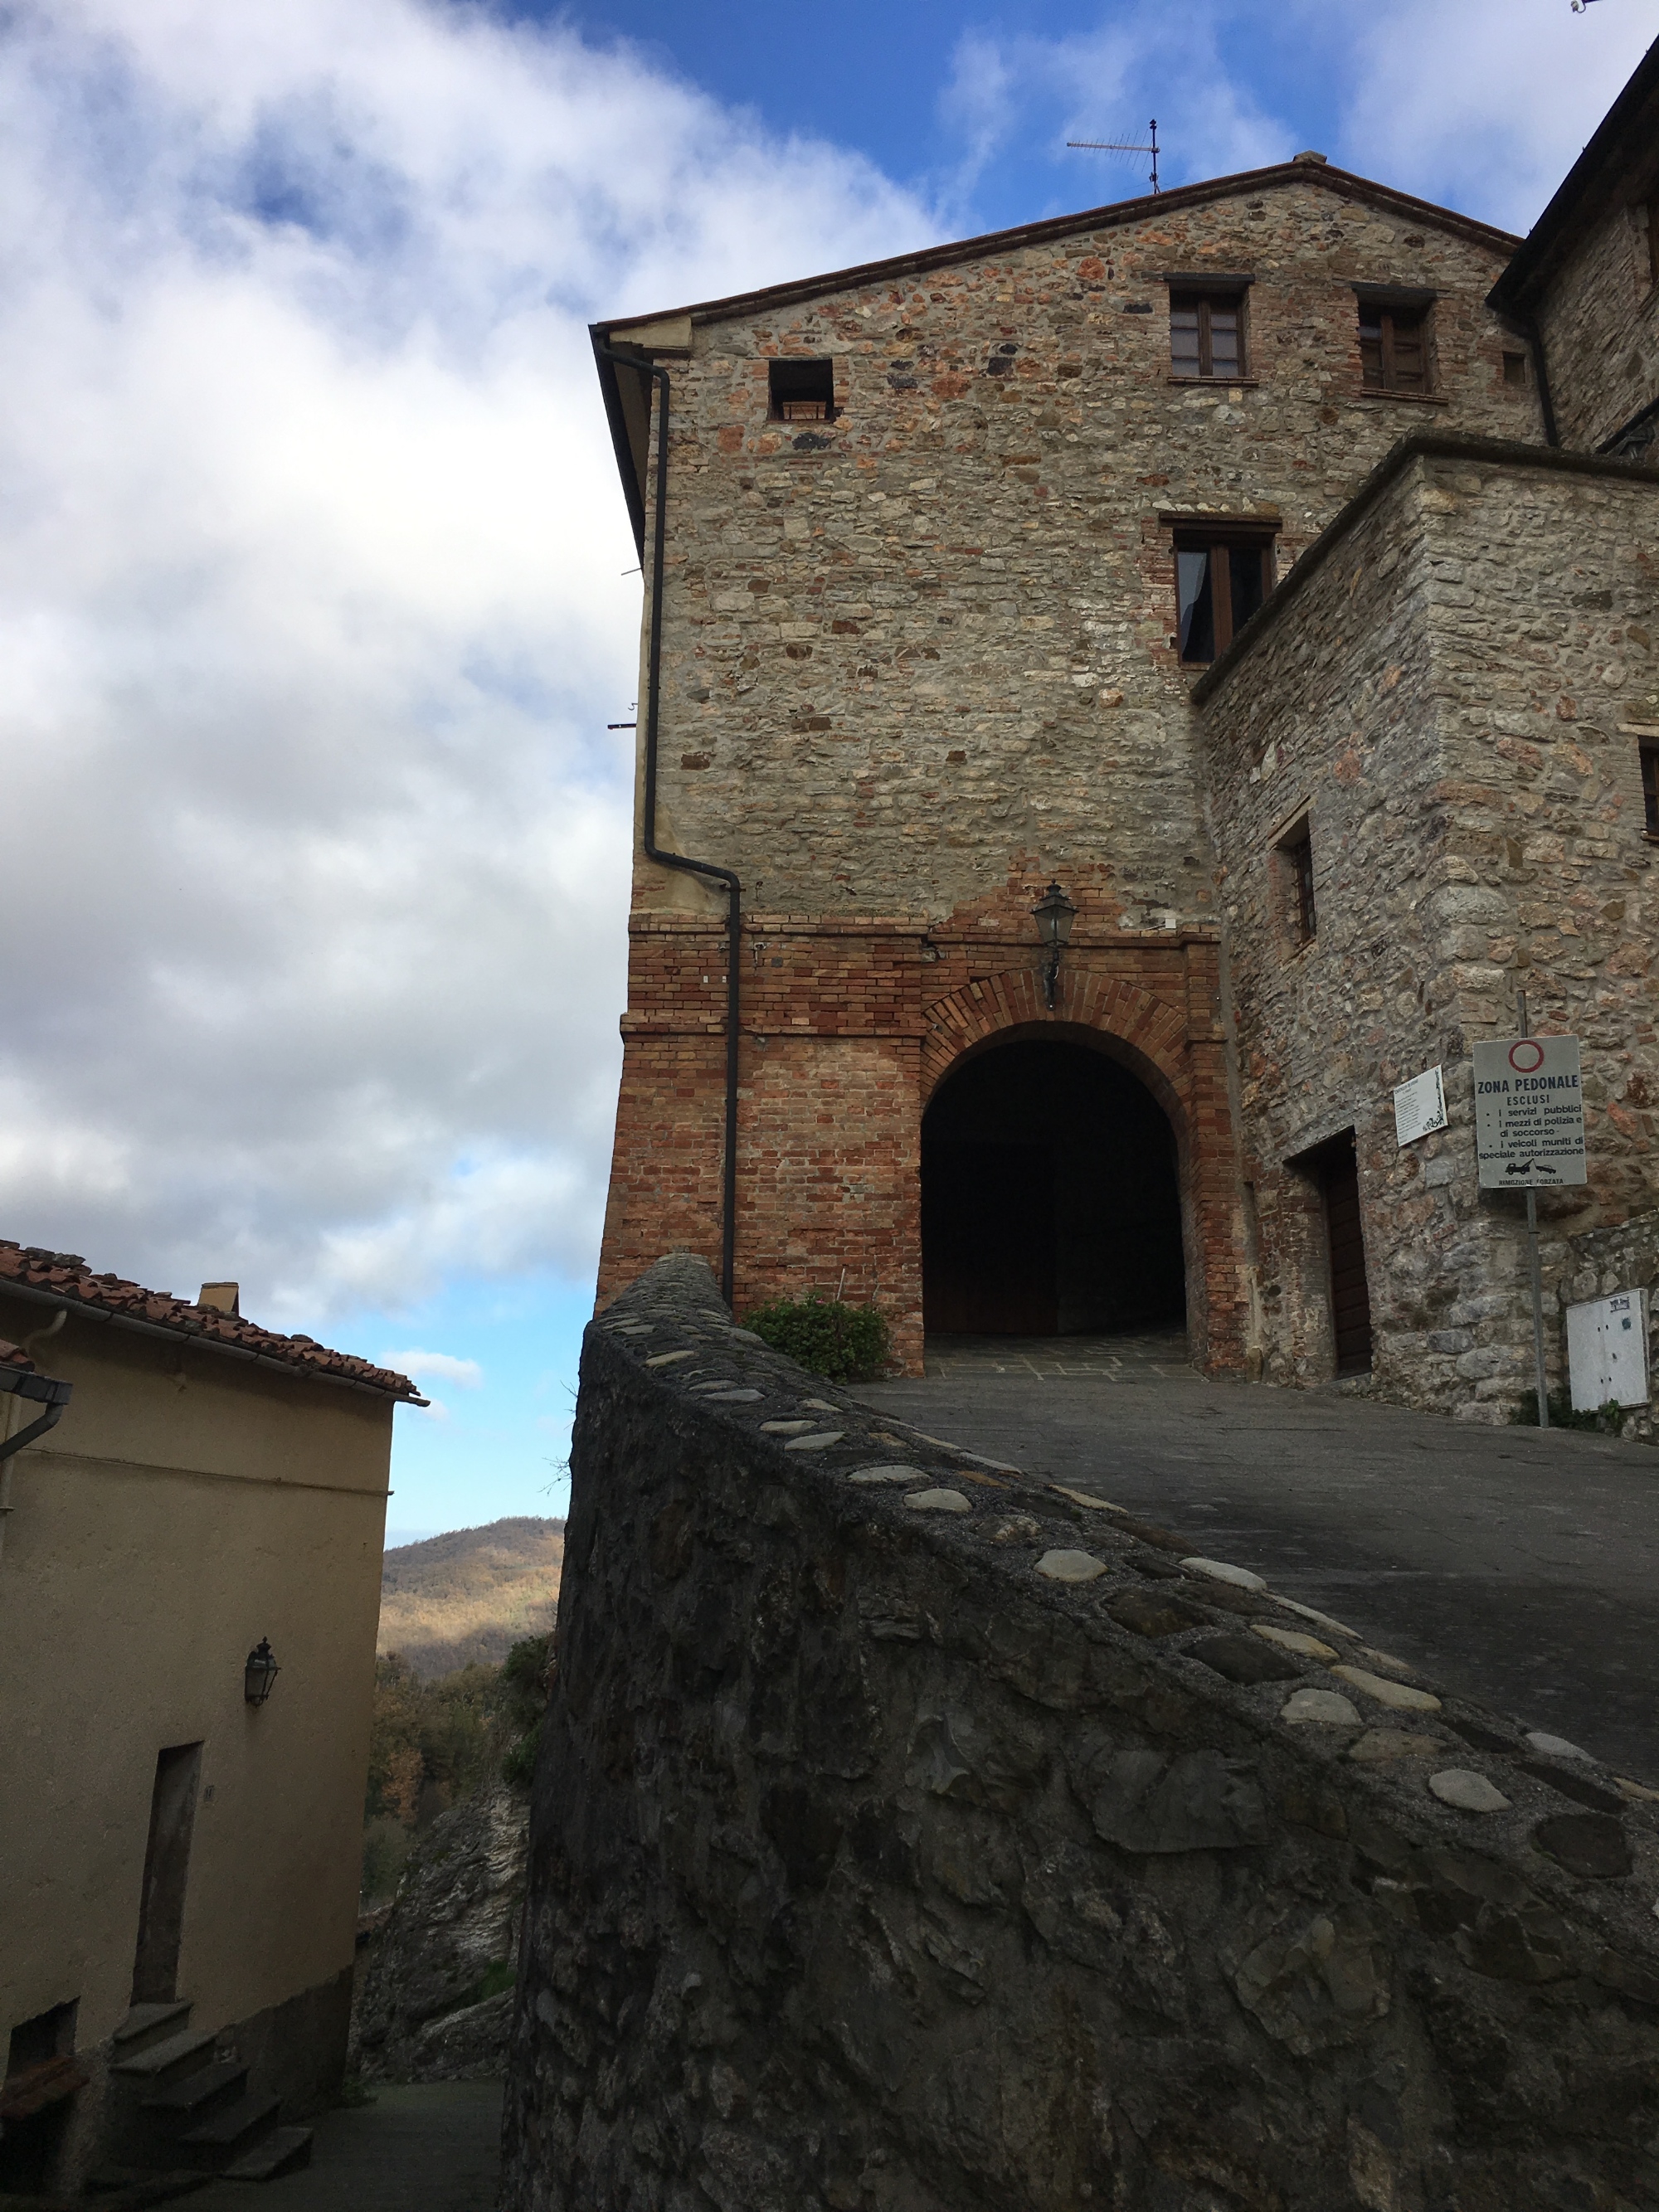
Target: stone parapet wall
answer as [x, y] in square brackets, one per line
[943, 1839]
[1452, 692]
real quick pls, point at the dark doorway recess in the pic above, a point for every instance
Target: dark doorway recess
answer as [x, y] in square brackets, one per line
[1051, 1202]
[167, 1869]
[1337, 1170]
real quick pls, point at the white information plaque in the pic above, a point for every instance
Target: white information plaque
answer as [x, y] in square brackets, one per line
[1529, 1113]
[1419, 1106]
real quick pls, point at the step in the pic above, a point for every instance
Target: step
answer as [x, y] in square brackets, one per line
[232, 2132]
[285, 2150]
[162, 2064]
[198, 2093]
[143, 2185]
[146, 2023]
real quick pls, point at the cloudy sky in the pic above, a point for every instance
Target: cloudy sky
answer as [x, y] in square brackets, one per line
[313, 576]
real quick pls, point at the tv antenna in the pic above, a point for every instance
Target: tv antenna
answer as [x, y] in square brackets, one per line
[1122, 146]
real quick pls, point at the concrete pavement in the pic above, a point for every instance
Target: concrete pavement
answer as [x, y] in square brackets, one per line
[426, 2146]
[1517, 1566]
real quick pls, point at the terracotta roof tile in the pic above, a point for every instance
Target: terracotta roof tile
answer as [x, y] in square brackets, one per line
[65, 1275]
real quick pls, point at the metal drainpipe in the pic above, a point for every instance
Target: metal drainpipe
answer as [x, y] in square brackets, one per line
[1541, 370]
[654, 852]
[45, 1389]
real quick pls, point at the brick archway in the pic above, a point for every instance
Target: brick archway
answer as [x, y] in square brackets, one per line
[1178, 1058]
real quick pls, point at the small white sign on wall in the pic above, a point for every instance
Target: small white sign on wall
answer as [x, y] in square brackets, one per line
[1419, 1106]
[1608, 1352]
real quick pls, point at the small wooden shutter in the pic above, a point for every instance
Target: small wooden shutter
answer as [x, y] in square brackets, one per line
[1351, 1302]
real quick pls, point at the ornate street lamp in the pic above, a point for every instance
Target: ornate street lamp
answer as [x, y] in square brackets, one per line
[260, 1674]
[1054, 915]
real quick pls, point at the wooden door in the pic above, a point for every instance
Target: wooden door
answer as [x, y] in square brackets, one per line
[1351, 1301]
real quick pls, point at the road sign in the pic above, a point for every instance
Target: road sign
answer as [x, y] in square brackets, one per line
[1529, 1113]
[1419, 1107]
[1608, 1352]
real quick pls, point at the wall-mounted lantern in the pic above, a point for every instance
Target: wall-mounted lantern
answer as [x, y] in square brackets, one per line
[260, 1674]
[1054, 915]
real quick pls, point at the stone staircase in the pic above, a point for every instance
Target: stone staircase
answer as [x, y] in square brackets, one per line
[177, 2106]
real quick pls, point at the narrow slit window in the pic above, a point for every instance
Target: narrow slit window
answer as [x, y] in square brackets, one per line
[1220, 582]
[802, 391]
[1207, 335]
[1295, 852]
[1515, 370]
[1394, 351]
[1650, 787]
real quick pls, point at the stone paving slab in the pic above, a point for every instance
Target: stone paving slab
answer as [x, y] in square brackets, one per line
[425, 2147]
[1521, 1568]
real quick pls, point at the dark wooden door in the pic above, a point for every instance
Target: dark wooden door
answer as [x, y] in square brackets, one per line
[1350, 1299]
[987, 1239]
[167, 1870]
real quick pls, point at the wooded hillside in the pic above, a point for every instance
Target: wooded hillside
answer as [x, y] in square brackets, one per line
[471, 1593]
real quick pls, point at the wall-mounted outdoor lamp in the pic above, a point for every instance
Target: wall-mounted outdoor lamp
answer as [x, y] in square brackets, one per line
[1054, 915]
[261, 1673]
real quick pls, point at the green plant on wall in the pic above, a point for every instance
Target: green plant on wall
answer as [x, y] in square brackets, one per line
[847, 1343]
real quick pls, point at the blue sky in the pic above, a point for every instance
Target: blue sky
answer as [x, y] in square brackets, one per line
[314, 587]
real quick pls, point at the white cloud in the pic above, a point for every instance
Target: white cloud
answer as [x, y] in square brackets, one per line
[315, 856]
[464, 1374]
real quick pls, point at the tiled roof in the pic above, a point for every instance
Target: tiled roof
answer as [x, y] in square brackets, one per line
[12, 1355]
[66, 1280]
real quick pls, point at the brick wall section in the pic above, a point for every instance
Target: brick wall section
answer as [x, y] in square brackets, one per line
[1451, 690]
[918, 660]
[1600, 323]
[849, 1029]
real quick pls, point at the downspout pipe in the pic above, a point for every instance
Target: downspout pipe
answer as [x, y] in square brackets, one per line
[1540, 369]
[45, 1390]
[707, 869]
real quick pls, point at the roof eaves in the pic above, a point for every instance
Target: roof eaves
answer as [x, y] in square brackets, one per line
[1433, 445]
[1113, 216]
[1625, 132]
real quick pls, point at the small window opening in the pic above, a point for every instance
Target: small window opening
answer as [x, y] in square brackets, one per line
[1652, 214]
[1650, 787]
[1219, 584]
[1296, 852]
[1515, 370]
[802, 391]
[1394, 351]
[1207, 335]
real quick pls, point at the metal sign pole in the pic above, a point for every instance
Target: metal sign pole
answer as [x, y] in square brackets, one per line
[1539, 1382]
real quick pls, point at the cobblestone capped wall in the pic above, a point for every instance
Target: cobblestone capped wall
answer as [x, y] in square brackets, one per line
[920, 659]
[1452, 698]
[913, 1836]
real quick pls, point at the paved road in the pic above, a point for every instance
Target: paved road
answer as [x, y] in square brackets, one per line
[1519, 1567]
[430, 2148]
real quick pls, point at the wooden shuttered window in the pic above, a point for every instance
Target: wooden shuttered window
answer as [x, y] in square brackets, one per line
[1393, 348]
[1207, 335]
[1650, 787]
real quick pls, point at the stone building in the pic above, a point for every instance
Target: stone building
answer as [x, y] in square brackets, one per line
[1266, 564]
[180, 1835]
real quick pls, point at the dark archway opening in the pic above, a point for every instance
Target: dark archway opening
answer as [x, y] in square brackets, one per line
[1050, 1199]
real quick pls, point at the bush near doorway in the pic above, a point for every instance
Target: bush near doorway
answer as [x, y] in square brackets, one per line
[845, 1344]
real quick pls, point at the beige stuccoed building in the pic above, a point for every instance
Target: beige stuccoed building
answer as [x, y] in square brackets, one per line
[178, 1862]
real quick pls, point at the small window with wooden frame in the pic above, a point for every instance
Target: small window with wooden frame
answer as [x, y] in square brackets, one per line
[1650, 786]
[1224, 572]
[1648, 215]
[1394, 342]
[801, 391]
[1293, 852]
[1206, 334]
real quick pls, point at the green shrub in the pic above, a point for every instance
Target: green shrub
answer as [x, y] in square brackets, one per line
[847, 1343]
[1608, 1419]
[526, 1681]
[386, 1846]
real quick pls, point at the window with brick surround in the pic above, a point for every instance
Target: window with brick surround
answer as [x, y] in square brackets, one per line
[1297, 871]
[1394, 346]
[1651, 787]
[1206, 334]
[1222, 574]
[802, 391]
[1515, 370]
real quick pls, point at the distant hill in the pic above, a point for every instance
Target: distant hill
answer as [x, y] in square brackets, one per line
[471, 1593]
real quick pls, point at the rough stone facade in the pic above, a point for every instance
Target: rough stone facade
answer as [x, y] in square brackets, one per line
[957, 1842]
[1599, 320]
[921, 658]
[1477, 828]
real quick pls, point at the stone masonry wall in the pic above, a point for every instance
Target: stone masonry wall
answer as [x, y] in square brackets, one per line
[919, 659]
[1454, 692]
[913, 1836]
[1600, 323]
